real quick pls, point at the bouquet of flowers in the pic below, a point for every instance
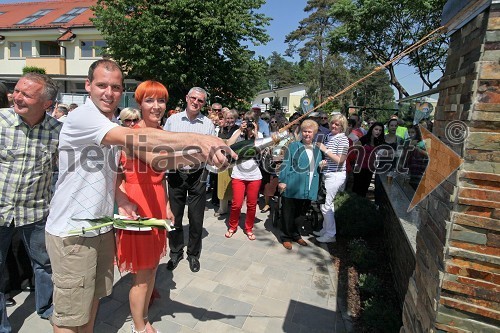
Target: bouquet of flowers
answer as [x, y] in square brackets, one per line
[126, 223]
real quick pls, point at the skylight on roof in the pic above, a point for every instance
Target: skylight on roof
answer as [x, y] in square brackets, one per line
[70, 15]
[33, 17]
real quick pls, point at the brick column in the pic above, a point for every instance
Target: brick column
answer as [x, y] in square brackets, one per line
[456, 283]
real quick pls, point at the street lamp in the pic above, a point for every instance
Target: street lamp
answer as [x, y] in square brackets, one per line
[266, 101]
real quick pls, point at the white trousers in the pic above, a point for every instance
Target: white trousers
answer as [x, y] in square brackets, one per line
[334, 181]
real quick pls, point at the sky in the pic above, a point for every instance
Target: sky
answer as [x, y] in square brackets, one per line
[286, 19]
[286, 16]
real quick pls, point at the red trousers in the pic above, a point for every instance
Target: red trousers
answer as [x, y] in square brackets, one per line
[240, 188]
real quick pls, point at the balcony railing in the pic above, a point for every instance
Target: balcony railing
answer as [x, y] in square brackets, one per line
[52, 65]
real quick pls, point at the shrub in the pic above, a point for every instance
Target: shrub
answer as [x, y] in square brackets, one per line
[381, 314]
[369, 283]
[356, 216]
[360, 255]
[33, 69]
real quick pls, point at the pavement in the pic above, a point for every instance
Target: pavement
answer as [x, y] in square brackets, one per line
[243, 286]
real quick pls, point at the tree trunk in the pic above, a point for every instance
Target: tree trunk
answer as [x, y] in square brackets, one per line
[395, 82]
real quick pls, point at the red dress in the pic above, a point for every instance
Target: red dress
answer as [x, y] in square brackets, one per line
[139, 250]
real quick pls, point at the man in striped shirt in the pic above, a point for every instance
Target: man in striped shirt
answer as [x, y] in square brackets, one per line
[29, 140]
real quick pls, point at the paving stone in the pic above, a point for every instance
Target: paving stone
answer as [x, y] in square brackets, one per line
[280, 290]
[321, 282]
[250, 253]
[189, 294]
[232, 277]
[228, 291]
[243, 286]
[229, 311]
[258, 281]
[207, 325]
[317, 319]
[256, 322]
[223, 249]
[205, 300]
[272, 307]
[182, 314]
[250, 295]
[257, 268]
[203, 284]
[276, 273]
[168, 326]
[314, 297]
[302, 278]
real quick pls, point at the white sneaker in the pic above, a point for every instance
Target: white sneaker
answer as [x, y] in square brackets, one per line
[326, 239]
[319, 233]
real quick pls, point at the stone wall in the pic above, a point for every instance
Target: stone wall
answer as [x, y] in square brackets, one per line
[400, 229]
[456, 283]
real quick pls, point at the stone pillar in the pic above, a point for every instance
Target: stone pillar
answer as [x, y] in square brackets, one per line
[456, 283]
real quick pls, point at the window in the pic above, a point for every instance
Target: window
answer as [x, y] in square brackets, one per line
[70, 15]
[49, 49]
[20, 49]
[92, 48]
[33, 17]
[284, 101]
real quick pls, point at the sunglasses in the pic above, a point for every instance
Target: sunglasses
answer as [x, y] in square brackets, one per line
[273, 122]
[131, 120]
[217, 110]
[265, 119]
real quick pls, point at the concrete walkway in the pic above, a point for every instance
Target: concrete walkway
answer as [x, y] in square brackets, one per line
[243, 286]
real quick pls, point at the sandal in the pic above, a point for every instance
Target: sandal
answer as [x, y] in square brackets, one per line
[265, 209]
[230, 233]
[251, 235]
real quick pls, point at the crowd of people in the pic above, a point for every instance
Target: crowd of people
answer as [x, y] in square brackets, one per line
[102, 165]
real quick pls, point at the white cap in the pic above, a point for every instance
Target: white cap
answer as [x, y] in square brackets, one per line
[256, 106]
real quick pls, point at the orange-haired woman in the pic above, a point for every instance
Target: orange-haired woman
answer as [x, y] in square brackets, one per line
[140, 252]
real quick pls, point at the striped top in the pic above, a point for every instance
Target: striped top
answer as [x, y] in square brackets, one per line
[337, 144]
[27, 163]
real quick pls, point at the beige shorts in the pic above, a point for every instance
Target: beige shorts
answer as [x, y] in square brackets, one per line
[82, 270]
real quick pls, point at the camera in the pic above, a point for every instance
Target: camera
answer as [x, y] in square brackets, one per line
[250, 124]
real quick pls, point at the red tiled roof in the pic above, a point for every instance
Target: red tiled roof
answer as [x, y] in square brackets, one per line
[67, 36]
[15, 12]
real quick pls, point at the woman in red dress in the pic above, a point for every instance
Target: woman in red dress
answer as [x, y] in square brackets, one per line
[139, 252]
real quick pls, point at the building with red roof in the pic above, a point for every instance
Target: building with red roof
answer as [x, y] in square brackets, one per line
[56, 35]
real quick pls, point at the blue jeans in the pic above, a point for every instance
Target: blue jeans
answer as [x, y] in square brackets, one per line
[33, 236]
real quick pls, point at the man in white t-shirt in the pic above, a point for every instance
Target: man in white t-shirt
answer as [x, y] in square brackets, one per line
[87, 188]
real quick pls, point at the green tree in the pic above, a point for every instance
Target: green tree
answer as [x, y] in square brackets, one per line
[186, 43]
[309, 40]
[384, 28]
[280, 72]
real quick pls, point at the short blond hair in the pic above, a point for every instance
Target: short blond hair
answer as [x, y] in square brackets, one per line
[309, 123]
[130, 113]
[341, 119]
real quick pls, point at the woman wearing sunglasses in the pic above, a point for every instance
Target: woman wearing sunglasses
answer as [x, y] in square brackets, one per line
[130, 117]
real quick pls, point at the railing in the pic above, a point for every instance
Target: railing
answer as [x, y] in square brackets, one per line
[53, 65]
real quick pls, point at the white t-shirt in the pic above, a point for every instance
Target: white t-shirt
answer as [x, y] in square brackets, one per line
[312, 167]
[85, 188]
[249, 169]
